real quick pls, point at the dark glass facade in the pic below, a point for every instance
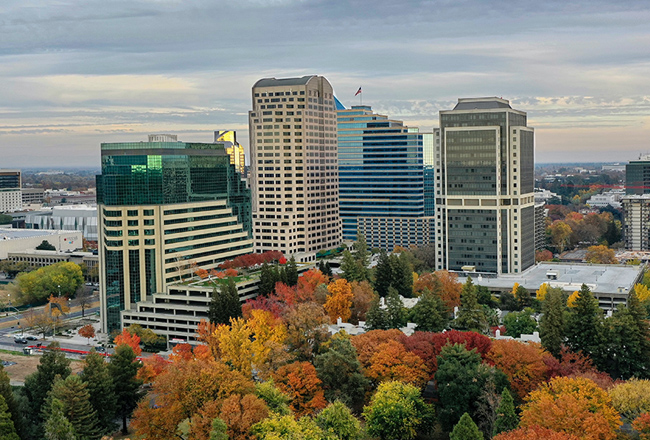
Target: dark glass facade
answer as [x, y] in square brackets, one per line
[9, 179]
[637, 177]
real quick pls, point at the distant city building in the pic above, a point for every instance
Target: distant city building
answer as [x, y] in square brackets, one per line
[382, 180]
[40, 258]
[485, 215]
[11, 198]
[55, 197]
[544, 195]
[33, 196]
[636, 222]
[637, 176]
[294, 168]
[69, 218]
[614, 167]
[22, 240]
[609, 198]
[164, 209]
[234, 149]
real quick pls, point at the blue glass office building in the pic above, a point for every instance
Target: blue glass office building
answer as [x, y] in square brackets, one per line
[386, 187]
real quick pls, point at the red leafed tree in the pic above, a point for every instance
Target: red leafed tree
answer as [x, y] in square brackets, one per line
[230, 272]
[201, 273]
[151, 367]
[523, 363]
[132, 340]
[568, 363]
[251, 260]
[282, 260]
[87, 331]
[310, 280]
[268, 303]
[181, 353]
[535, 433]
[300, 382]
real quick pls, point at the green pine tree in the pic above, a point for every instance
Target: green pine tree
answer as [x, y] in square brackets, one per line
[471, 315]
[552, 322]
[523, 297]
[12, 404]
[395, 311]
[7, 429]
[72, 392]
[292, 272]
[584, 329]
[430, 313]
[466, 429]
[268, 278]
[325, 268]
[507, 419]
[123, 369]
[349, 266]
[376, 316]
[225, 304]
[57, 426]
[52, 364]
[402, 274]
[383, 274]
[100, 390]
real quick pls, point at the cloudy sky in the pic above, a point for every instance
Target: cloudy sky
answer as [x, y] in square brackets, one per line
[77, 73]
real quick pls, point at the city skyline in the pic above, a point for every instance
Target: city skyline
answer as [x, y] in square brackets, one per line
[77, 74]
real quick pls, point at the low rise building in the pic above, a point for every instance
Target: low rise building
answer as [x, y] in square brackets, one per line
[21, 240]
[610, 283]
[609, 198]
[40, 258]
[66, 218]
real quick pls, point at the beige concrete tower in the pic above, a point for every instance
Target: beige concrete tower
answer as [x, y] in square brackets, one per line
[294, 166]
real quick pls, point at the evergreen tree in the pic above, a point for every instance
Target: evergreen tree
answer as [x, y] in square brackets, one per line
[471, 315]
[361, 253]
[466, 429]
[612, 234]
[57, 426]
[628, 339]
[507, 301]
[584, 329]
[507, 419]
[552, 322]
[430, 313]
[123, 369]
[225, 304]
[52, 364]
[232, 296]
[100, 390]
[376, 316]
[12, 405]
[325, 268]
[518, 323]
[349, 267]
[523, 297]
[282, 274]
[402, 274]
[395, 311]
[7, 429]
[340, 371]
[383, 274]
[292, 272]
[267, 280]
[485, 297]
[72, 392]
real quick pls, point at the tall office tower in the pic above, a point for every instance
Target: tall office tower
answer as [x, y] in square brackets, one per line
[164, 208]
[637, 176]
[294, 169]
[636, 222]
[485, 214]
[385, 193]
[234, 149]
[11, 196]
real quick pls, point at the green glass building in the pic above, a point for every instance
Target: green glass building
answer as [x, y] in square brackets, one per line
[165, 208]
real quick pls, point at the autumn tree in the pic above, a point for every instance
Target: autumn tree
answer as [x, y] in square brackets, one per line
[397, 411]
[631, 398]
[300, 382]
[87, 331]
[600, 255]
[393, 362]
[543, 255]
[642, 426]
[276, 400]
[132, 340]
[523, 364]
[240, 413]
[123, 368]
[534, 433]
[368, 343]
[339, 300]
[584, 328]
[305, 329]
[559, 233]
[337, 421]
[466, 429]
[286, 427]
[552, 322]
[506, 419]
[576, 406]
[62, 279]
[340, 371]
[362, 296]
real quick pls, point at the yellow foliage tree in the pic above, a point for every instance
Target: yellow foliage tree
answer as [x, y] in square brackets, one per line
[339, 300]
[600, 255]
[631, 398]
[514, 289]
[576, 406]
[571, 301]
[642, 292]
[235, 345]
[541, 292]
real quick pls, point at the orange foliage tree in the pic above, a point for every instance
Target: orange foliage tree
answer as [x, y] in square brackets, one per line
[642, 426]
[362, 296]
[152, 367]
[450, 288]
[187, 389]
[339, 300]
[310, 280]
[132, 340]
[523, 364]
[576, 406]
[300, 382]
[392, 362]
[87, 331]
[534, 433]
[240, 413]
[367, 343]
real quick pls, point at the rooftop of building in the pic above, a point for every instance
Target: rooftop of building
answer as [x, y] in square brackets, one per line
[482, 103]
[601, 278]
[283, 82]
[13, 234]
[636, 197]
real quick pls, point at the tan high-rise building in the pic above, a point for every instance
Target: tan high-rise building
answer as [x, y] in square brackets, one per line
[294, 166]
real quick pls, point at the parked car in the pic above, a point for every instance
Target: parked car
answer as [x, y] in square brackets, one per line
[20, 340]
[31, 338]
[99, 349]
